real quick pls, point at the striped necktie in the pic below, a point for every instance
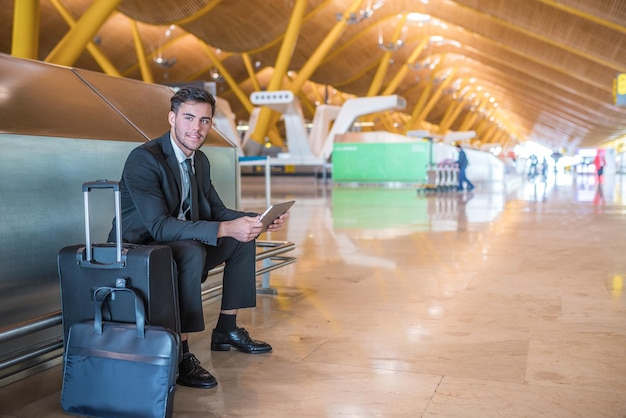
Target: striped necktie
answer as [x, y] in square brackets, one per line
[192, 193]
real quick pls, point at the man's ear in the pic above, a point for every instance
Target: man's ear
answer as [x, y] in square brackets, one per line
[171, 117]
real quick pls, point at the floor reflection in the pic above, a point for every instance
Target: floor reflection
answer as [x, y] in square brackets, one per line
[508, 299]
[587, 187]
[388, 213]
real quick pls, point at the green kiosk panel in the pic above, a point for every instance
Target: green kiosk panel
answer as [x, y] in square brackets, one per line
[380, 162]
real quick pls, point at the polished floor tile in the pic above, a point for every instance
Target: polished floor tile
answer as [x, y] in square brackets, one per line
[505, 302]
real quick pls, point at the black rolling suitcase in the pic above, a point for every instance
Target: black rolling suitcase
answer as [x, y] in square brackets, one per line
[119, 370]
[148, 269]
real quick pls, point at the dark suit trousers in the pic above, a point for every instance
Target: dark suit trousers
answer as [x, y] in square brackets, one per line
[194, 260]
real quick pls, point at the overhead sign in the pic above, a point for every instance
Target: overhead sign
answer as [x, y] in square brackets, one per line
[619, 90]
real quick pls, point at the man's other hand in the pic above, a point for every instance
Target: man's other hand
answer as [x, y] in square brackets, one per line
[278, 222]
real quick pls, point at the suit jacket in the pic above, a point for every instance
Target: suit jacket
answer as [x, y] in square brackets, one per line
[151, 190]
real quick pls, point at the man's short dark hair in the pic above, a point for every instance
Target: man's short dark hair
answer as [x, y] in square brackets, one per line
[192, 94]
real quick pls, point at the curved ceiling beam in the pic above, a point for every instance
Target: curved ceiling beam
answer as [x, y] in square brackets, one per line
[587, 16]
[519, 44]
[548, 86]
[542, 86]
[279, 39]
[197, 15]
[164, 12]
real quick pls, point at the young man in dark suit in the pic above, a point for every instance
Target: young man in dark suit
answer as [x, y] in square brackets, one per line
[169, 201]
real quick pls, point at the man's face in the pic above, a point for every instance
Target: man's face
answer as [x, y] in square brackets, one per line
[190, 125]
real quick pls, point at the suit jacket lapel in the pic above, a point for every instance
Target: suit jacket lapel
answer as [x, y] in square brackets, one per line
[171, 160]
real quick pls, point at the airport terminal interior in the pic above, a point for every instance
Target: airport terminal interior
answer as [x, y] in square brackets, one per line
[495, 303]
[393, 289]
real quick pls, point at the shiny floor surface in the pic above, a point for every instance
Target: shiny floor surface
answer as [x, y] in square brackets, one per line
[506, 302]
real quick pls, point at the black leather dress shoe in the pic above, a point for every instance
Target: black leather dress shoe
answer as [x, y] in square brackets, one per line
[192, 374]
[239, 339]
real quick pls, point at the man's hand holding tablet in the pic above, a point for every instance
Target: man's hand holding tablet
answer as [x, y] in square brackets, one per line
[273, 212]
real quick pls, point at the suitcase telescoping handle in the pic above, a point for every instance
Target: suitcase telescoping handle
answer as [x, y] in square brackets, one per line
[104, 184]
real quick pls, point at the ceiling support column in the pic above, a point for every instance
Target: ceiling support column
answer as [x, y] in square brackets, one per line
[255, 81]
[314, 61]
[280, 70]
[482, 128]
[469, 120]
[387, 122]
[74, 42]
[489, 134]
[306, 102]
[401, 74]
[377, 82]
[146, 74]
[25, 42]
[453, 112]
[104, 63]
[421, 103]
[243, 98]
[433, 100]
[499, 138]
[450, 116]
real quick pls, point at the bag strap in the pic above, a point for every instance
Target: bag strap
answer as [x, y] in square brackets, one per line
[100, 298]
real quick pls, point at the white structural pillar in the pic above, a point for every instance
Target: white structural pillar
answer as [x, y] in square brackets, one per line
[324, 116]
[354, 108]
[286, 103]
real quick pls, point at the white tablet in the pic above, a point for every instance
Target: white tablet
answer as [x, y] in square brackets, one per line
[273, 212]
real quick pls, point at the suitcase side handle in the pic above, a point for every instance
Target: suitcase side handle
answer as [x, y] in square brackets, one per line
[103, 184]
[100, 298]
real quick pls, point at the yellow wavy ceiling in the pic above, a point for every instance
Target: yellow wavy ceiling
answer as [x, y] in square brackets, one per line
[546, 65]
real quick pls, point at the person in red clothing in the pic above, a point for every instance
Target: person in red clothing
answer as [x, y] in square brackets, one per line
[599, 162]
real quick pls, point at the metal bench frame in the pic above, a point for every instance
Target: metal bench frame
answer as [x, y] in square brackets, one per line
[271, 260]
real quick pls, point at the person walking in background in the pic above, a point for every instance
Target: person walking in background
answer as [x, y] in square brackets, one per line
[532, 169]
[462, 163]
[544, 169]
[599, 162]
